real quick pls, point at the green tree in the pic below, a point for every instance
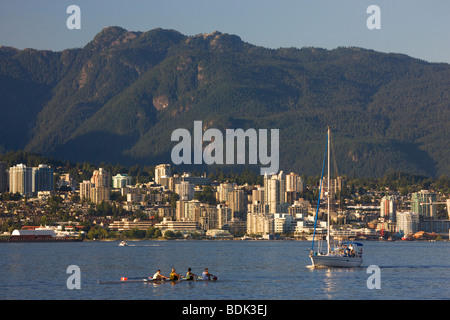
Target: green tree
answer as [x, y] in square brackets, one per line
[169, 234]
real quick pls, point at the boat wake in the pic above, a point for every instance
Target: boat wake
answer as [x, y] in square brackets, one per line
[416, 267]
[143, 245]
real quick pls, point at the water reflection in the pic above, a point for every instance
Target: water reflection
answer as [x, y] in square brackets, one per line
[332, 280]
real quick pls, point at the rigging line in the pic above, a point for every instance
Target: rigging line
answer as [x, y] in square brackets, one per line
[320, 192]
[334, 156]
[336, 172]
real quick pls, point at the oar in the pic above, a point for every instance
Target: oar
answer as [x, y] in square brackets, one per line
[133, 278]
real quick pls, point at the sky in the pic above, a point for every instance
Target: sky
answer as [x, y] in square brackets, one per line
[420, 29]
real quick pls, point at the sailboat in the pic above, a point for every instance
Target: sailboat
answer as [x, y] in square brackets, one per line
[348, 254]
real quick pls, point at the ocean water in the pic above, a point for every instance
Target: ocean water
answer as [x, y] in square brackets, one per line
[246, 270]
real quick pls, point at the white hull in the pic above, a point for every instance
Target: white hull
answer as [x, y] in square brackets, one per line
[336, 261]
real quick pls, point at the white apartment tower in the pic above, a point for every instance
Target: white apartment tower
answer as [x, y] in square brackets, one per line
[162, 171]
[274, 191]
[21, 179]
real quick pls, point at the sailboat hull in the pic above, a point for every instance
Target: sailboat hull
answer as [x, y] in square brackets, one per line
[336, 261]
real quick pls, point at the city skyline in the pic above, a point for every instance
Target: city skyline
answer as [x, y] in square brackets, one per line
[276, 208]
[415, 28]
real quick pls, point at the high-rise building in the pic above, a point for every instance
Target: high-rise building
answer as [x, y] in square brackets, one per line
[294, 187]
[162, 171]
[21, 180]
[85, 190]
[294, 183]
[3, 177]
[185, 190]
[98, 188]
[388, 207]
[223, 215]
[207, 216]
[407, 222]
[236, 203]
[101, 178]
[42, 177]
[222, 191]
[274, 191]
[258, 195]
[100, 194]
[422, 203]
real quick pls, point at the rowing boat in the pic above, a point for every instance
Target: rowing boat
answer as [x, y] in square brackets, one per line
[147, 280]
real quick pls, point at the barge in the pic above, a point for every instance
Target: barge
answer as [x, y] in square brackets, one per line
[41, 235]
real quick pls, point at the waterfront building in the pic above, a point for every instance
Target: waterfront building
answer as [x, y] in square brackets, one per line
[260, 223]
[182, 226]
[434, 225]
[422, 203]
[236, 225]
[126, 225]
[283, 223]
[388, 207]
[121, 181]
[219, 234]
[162, 171]
[21, 180]
[407, 222]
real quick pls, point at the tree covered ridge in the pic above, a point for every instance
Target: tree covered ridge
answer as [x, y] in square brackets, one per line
[119, 98]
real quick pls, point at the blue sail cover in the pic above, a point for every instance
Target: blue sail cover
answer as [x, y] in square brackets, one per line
[355, 243]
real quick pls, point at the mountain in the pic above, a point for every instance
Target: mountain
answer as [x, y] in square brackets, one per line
[119, 99]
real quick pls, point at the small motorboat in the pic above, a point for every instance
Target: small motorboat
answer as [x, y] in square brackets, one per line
[123, 244]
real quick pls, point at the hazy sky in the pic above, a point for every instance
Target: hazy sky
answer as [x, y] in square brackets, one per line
[420, 29]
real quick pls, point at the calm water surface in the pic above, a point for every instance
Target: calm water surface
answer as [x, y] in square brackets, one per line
[247, 270]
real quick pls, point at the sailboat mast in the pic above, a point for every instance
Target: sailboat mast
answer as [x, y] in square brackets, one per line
[329, 195]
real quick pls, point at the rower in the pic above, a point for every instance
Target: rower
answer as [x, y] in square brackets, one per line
[158, 276]
[190, 275]
[207, 276]
[174, 276]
